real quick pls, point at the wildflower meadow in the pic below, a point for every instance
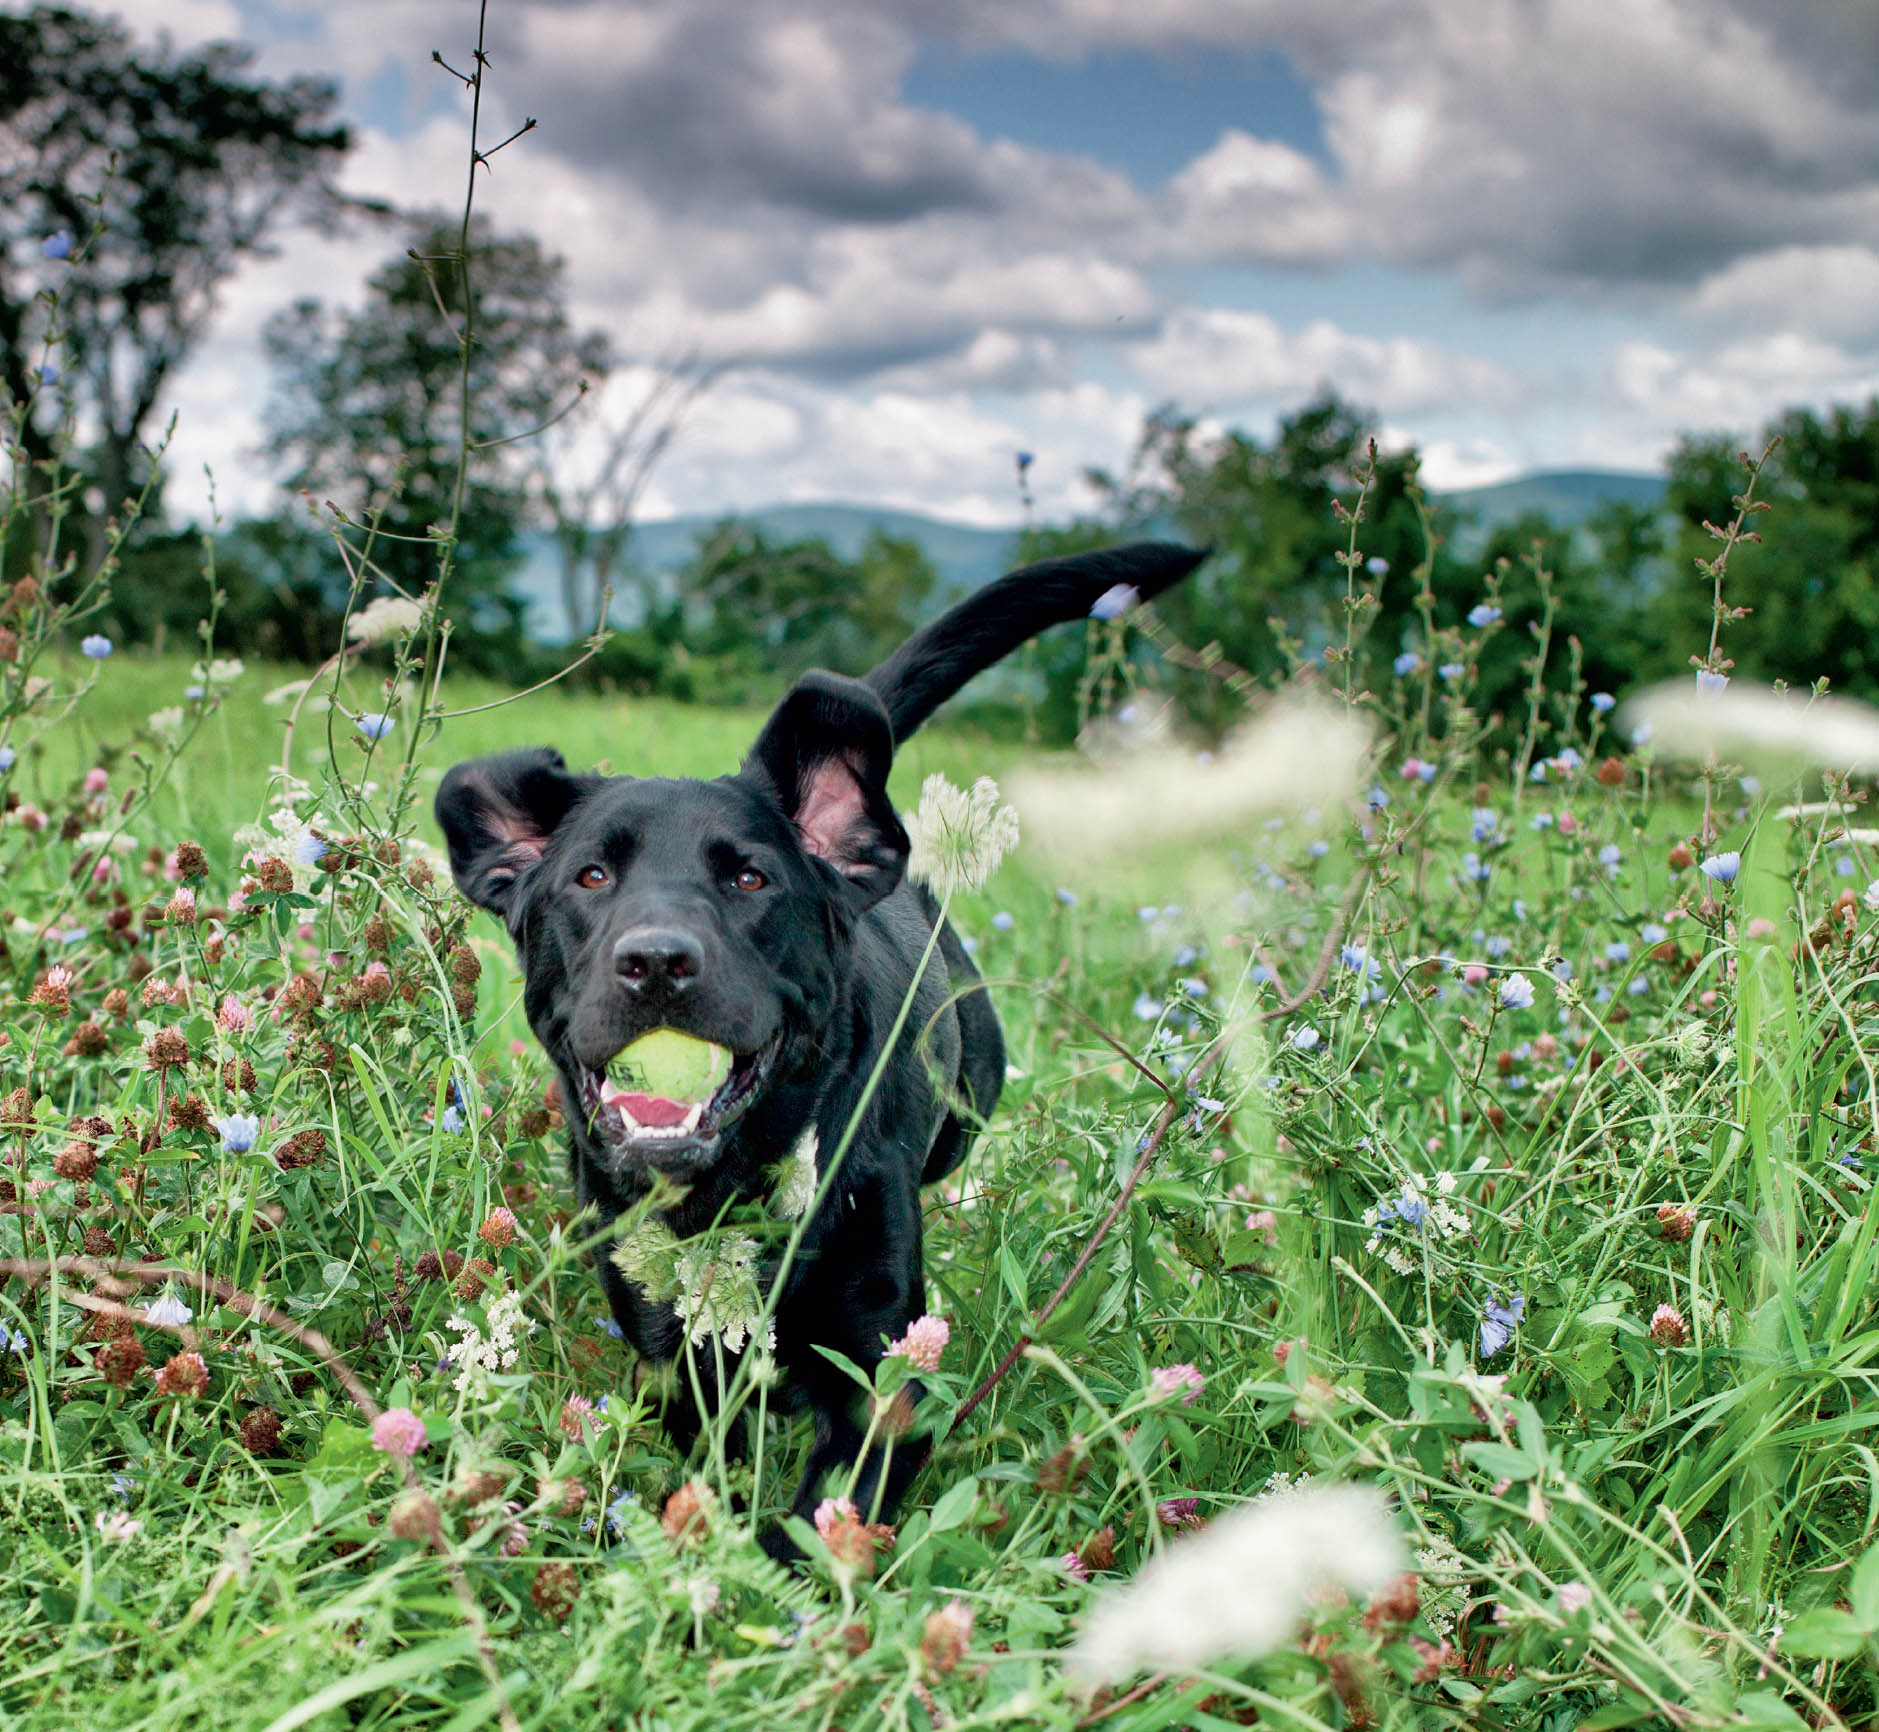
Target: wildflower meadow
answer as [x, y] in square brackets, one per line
[1421, 1273]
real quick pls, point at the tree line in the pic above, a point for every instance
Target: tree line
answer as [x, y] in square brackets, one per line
[138, 181]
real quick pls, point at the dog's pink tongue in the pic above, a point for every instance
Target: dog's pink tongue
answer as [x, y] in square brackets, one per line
[652, 1110]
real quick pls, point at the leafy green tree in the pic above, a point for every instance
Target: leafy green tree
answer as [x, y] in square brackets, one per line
[1811, 585]
[368, 411]
[185, 167]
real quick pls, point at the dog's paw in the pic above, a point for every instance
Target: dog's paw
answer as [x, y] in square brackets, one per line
[780, 1547]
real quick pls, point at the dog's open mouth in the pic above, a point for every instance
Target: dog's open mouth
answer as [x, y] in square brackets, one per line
[671, 1095]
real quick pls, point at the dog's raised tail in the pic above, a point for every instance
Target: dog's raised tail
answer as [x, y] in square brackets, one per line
[985, 628]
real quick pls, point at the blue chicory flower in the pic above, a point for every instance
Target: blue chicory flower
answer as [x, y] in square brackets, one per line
[1618, 951]
[1499, 1323]
[95, 647]
[1516, 992]
[374, 727]
[1483, 614]
[1115, 601]
[1722, 868]
[1486, 822]
[240, 1132]
[1604, 703]
[1406, 664]
[1474, 868]
[1709, 682]
[57, 245]
[1002, 921]
[7, 759]
[1452, 670]
[1067, 897]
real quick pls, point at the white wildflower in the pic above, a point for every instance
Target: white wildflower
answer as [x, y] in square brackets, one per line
[959, 838]
[796, 1179]
[478, 1357]
[1238, 1588]
[704, 1594]
[224, 671]
[168, 1312]
[1298, 754]
[116, 1526]
[1741, 723]
[119, 842]
[386, 616]
[648, 1257]
[1443, 1575]
[166, 724]
[718, 1292]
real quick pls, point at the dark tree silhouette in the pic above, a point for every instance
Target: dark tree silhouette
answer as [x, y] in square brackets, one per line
[183, 165]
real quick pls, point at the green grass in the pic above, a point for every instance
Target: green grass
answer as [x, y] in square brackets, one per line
[1627, 1532]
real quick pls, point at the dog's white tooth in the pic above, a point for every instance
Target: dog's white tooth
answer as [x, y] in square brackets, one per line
[690, 1121]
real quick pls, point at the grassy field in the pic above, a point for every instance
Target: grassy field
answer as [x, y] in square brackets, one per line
[1546, 1214]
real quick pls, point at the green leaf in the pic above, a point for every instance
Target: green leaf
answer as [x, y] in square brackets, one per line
[1865, 1591]
[1763, 1708]
[955, 1505]
[1628, 1710]
[1827, 1634]
[1499, 1460]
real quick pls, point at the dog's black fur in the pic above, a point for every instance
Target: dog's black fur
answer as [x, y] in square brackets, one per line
[765, 911]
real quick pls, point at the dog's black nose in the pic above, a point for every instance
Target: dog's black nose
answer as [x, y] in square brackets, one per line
[656, 959]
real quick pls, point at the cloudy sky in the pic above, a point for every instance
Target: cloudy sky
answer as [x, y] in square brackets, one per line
[927, 234]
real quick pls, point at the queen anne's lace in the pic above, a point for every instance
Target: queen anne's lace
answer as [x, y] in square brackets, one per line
[477, 1356]
[958, 837]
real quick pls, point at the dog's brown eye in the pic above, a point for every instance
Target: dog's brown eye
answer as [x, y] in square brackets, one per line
[750, 879]
[592, 878]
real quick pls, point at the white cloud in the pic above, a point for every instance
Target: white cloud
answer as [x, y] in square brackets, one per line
[1737, 386]
[946, 454]
[1455, 463]
[1253, 198]
[1828, 291]
[187, 23]
[1220, 357]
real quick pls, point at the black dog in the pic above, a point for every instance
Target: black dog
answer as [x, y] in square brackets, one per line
[765, 912]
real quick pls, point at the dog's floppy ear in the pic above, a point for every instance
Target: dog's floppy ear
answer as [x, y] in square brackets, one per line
[497, 814]
[825, 753]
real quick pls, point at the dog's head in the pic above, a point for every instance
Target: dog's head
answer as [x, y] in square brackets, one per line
[723, 910]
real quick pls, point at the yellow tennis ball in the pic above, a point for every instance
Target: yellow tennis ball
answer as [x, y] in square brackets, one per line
[674, 1066]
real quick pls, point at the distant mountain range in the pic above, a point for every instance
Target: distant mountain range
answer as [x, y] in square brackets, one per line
[965, 557]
